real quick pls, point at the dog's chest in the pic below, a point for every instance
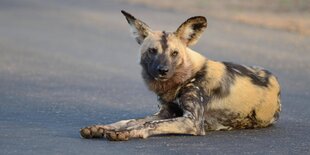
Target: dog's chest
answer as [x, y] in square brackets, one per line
[192, 88]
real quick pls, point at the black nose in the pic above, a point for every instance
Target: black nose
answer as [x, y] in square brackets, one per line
[162, 70]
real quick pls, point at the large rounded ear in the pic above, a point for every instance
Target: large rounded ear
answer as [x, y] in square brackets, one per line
[190, 31]
[139, 29]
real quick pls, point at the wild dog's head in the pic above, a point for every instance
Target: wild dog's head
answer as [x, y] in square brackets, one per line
[163, 54]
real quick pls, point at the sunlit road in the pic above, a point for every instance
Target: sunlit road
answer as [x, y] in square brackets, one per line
[68, 64]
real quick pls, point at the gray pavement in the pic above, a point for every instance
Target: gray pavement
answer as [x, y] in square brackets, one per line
[68, 64]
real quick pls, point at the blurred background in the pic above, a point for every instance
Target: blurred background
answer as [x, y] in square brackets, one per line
[290, 15]
[66, 64]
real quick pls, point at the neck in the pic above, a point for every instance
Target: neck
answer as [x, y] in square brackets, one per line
[196, 59]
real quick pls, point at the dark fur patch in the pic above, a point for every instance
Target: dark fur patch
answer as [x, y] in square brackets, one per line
[199, 76]
[253, 122]
[234, 120]
[235, 69]
[277, 113]
[139, 41]
[220, 92]
[170, 110]
[224, 88]
[130, 18]
[195, 86]
[198, 26]
[164, 41]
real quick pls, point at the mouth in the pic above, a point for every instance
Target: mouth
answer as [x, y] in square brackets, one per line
[161, 78]
[158, 77]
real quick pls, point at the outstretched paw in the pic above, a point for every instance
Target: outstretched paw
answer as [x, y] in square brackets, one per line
[95, 131]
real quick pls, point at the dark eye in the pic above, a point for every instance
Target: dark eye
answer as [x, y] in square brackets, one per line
[174, 53]
[152, 50]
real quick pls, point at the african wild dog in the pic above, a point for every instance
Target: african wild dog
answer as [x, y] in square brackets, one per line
[196, 94]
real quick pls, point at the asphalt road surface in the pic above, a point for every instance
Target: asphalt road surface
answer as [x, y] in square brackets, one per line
[68, 64]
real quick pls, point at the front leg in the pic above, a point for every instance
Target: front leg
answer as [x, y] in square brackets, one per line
[191, 122]
[98, 131]
[180, 125]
